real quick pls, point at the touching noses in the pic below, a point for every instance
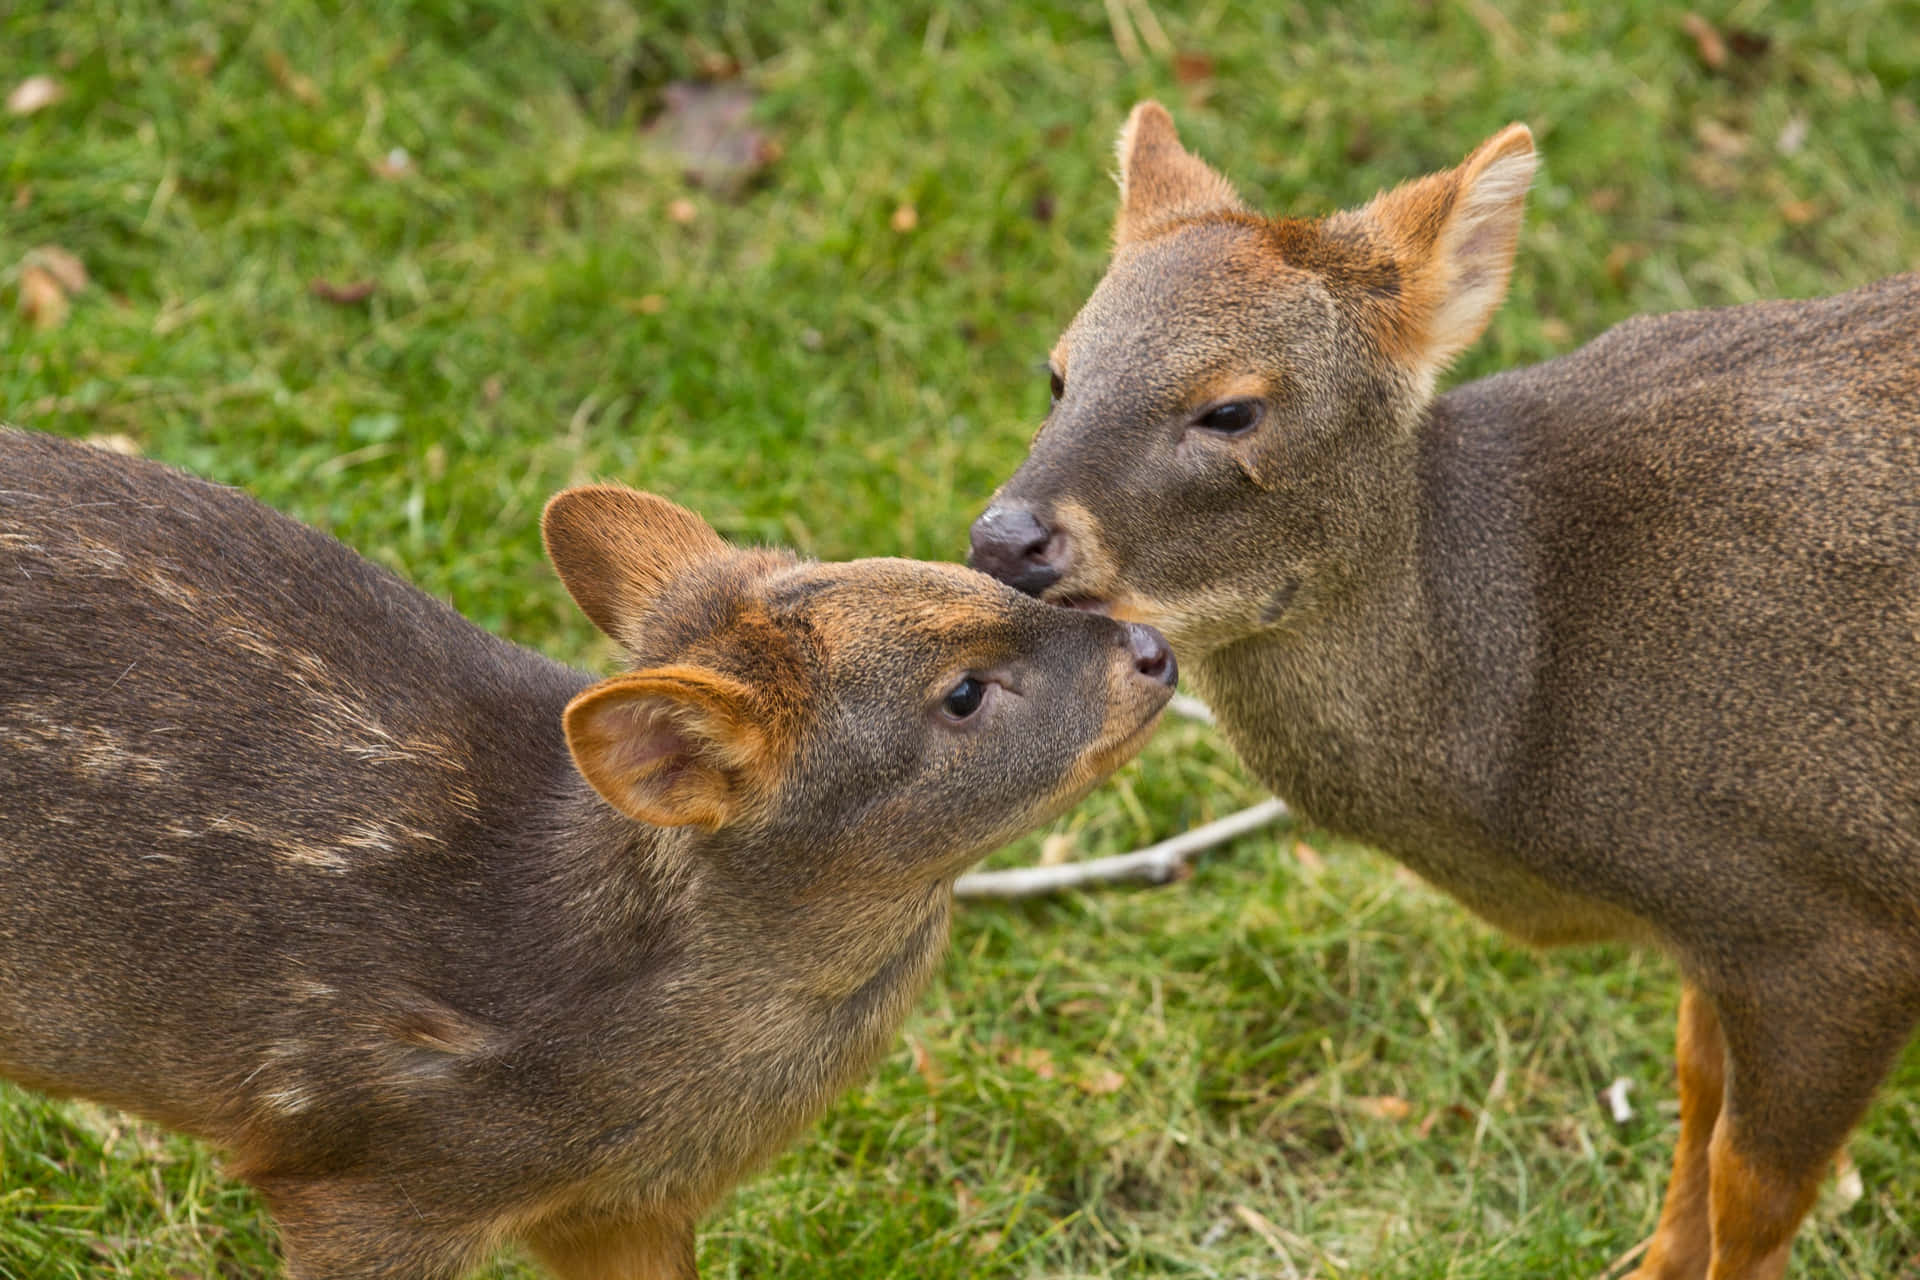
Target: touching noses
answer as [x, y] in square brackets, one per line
[1014, 546]
[1152, 656]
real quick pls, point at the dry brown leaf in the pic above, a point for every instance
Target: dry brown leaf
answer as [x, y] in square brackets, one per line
[344, 295]
[682, 210]
[1799, 212]
[1556, 331]
[1619, 258]
[1038, 1061]
[63, 266]
[290, 80]
[1385, 1107]
[1309, 858]
[923, 1063]
[1728, 144]
[904, 219]
[1706, 41]
[42, 301]
[1101, 1082]
[33, 94]
[1191, 68]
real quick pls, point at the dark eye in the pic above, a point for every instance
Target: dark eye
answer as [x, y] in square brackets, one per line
[1056, 384]
[964, 698]
[1232, 418]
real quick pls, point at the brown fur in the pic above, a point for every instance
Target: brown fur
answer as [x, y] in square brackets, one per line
[1619, 646]
[449, 946]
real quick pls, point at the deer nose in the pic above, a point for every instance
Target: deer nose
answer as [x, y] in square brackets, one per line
[1152, 656]
[1014, 546]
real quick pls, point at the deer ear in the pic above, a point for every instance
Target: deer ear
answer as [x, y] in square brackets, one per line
[615, 548]
[673, 746]
[1452, 236]
[1162, 182]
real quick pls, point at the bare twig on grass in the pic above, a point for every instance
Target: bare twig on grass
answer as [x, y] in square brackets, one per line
[1156, 864]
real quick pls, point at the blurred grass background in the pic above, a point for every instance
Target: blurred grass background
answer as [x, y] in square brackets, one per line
[1300, 1062]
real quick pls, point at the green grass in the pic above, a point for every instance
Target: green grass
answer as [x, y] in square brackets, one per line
[814, 377]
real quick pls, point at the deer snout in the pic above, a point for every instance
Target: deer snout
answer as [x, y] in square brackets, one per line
[1152, 656]
[1017, 547]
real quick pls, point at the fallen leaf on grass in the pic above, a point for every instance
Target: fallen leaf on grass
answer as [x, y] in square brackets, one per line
[1385, 1107]
[49, 275]
[923, 1063]
[708, 128]
[1619, 258]
[1728, 144]
[1102, 1082]
[63, 266]
[1309, 858]
[1038, 1061]
[343, 295]
[33, 94]
[290, 80]
[683, 211]
[1192, 68]
[42, 301]
[1799, 212]
[905, 218]
[1706, 41]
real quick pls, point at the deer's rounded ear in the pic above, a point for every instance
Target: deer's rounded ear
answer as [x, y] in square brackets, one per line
[1452, 237]
[615, 548]
[1161, 181]
[673, 746]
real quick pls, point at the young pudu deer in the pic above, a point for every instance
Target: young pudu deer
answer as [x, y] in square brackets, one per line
[1625, 645]
[446, 944]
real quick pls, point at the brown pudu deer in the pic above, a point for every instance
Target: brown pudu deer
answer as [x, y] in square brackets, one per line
[1625, 645]
[449, 946]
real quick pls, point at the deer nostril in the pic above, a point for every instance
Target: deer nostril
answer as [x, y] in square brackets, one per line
[1015, 546]
[1152, 655]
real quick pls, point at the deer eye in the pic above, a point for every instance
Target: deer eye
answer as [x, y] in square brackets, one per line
[1235, 417]
[964, 698]
[1056, 384]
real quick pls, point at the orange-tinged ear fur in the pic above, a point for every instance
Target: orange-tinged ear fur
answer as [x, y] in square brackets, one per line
[1160, 181]
[674, 746]
[1452, 235]
[615, 548]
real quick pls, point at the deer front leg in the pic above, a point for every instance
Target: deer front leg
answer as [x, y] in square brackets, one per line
[1682, 1244]
[1805, 1050]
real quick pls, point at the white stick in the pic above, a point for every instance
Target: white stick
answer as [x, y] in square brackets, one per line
[1155, 864]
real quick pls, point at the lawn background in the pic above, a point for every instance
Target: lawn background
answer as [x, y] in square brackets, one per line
[1299, 1061]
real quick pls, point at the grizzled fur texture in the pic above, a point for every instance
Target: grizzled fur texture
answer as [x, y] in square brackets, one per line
[1625, 645]
[446, 946]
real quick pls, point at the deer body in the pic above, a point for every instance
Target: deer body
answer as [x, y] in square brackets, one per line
[1625, 645]
[446, 944]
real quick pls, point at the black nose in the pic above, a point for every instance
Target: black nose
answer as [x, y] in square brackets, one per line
[1152, 656]
[1014, 546]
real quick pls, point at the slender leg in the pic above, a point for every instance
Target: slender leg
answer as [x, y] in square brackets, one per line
[643, 1249]
[1682, 1244]
[1803, 1060]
